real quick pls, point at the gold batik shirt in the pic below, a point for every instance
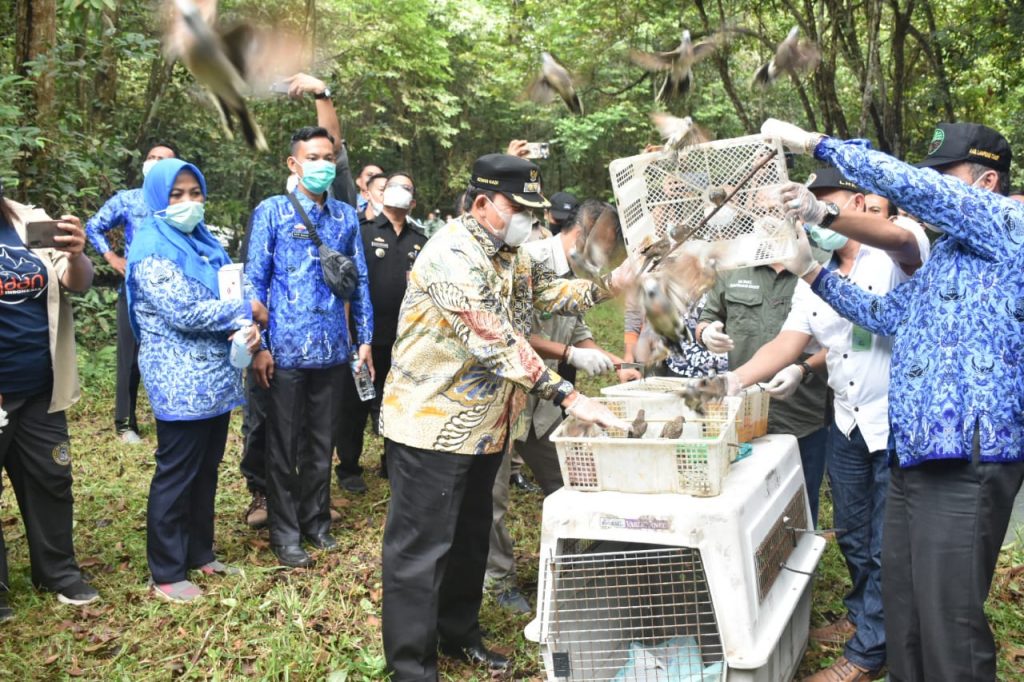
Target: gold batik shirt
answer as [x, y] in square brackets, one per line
[462, 364]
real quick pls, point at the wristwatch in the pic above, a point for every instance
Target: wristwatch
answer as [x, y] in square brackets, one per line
[808, 373]
[562, 391]
[326, 94]
[831, 213]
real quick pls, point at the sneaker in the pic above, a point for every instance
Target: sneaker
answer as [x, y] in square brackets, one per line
[513, 600]
[129, 437]
[218, 568]
[6, 612]
[844, 671]
[78, 593]
[256, 514]
[180, 592]
[838, 631]
[353, 484]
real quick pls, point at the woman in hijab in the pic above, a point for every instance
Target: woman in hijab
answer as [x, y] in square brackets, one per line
[184, 329]
[38, 382]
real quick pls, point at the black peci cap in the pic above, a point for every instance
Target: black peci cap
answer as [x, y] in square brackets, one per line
[562, 205]
[973, 142]
[829, 177]
[516, 178]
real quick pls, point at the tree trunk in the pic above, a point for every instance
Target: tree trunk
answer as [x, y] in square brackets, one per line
[37, 33]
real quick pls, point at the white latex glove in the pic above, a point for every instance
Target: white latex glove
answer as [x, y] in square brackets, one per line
[716, 340]
[592, 412]
[801, 205]
[623, 278]
[802, 262]
[590, 360]
[793, 138]
[785, 383]
[733, 385]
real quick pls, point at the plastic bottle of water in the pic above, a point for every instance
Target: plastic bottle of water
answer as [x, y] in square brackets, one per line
[240, 356]
[364, 384]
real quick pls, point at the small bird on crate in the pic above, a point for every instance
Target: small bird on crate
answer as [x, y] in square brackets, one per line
[638, 427]
[673, 429]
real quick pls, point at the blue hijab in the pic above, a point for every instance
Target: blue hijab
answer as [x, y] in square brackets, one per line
[199, 254]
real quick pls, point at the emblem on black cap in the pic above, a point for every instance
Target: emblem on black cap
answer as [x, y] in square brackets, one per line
[937, 139]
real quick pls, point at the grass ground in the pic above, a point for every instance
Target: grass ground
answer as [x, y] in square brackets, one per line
[321, 623]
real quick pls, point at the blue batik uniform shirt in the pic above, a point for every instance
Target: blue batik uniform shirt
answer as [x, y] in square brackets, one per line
[958, 323]
[307, 327]
[127, 209]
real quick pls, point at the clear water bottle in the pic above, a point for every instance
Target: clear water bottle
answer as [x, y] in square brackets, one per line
[364, 384]
[240, 356]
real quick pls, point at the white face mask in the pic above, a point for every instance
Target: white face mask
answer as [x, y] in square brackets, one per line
[398, 197]
[291, 183]
[517, 229]
[148, 166]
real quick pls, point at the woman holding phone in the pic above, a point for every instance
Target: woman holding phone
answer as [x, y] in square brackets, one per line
[183, 330]
[38, 382]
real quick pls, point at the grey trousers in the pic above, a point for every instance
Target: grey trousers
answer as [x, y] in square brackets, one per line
[540, 455]
[944, 524]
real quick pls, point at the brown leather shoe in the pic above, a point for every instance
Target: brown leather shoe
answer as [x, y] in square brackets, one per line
[256, 514]
[844, 671]
[838, 631]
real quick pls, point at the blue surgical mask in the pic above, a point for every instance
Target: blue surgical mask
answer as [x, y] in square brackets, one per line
[827, 239]
[184, 215]
[317, 176]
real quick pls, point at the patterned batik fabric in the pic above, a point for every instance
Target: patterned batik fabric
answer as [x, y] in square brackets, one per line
[126, 209]
[462, 363]
[958, 323]
[691, 360]
[183, 344]
[308, 328]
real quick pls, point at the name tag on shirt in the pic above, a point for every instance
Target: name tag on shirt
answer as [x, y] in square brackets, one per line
[861, 339]
[300, 232]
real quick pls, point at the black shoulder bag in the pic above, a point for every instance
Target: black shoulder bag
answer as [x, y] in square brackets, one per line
[340, 273]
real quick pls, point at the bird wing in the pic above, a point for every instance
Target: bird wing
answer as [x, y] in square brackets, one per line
[705, 48]
[652, 61]
[263, 56]
[540, 91]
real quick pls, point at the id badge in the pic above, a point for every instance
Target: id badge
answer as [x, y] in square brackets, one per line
[861, 340]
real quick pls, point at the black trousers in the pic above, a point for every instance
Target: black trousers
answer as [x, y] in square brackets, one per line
[254, 435]
[350, 422]
[34, 450]
[434, 556]
[179, 516]
[302, 405]
[126, 393]
[944, 524]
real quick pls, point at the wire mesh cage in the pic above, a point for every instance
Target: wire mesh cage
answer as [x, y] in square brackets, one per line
[632, 612]
[668, 196]
[675, 587]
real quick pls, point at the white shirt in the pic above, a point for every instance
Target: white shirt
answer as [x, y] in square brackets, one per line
[859, 378]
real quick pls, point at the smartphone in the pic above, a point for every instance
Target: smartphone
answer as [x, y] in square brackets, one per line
[280, 87]
[538, 150]
[41, 234]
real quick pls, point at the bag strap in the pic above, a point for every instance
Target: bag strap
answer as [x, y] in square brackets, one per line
[305, 220]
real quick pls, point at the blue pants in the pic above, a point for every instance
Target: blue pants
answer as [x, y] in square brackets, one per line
[179, 519]
[813, 452]
[860, 481]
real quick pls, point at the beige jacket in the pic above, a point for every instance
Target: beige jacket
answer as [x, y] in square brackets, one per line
[66, 391]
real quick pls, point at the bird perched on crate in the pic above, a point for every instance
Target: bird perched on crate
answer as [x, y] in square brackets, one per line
[678, 63]
[229, 61]
[638, 427]
[673, 429]
[791, 56]
[554, 79]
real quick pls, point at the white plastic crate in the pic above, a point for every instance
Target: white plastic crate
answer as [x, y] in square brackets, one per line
[670, 587]
[659, 194]
[694, 464]
[751, 416]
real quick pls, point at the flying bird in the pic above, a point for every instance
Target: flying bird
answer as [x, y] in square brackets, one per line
[599, 247]
[554, 79]
[678, 63]
[791, 56]
[678, 133]
[230, 61]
